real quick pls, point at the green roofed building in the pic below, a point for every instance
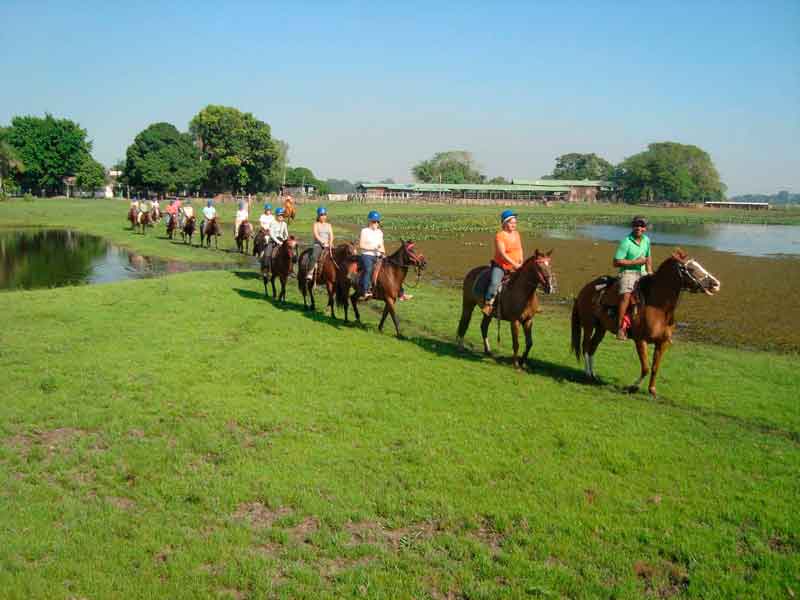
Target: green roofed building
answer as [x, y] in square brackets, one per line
[533, 190]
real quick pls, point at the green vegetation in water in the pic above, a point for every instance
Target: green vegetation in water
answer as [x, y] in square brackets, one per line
[183, 437]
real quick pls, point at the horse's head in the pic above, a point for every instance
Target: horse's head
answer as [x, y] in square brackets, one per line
[411, 256]
[539, 264]
[694, 278]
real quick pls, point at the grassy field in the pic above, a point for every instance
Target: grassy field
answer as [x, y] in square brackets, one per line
[183, 437]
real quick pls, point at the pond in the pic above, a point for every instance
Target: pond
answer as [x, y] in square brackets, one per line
[36, 258]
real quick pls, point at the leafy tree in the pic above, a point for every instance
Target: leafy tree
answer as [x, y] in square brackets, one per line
[455, 166]
[340, 186]
[163, 159]
[303, 176]
[51, 149]
[238, 147]
[581, 166]
[278, 170]
[90, 175]
[10, 163]
[669, 171]
[499, 181]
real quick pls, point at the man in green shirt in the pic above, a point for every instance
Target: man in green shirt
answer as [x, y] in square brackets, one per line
[633, 260]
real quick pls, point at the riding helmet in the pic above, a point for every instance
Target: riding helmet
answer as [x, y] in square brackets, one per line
[210, 203]
[322, 211]
[268, 206]
[639, 221]
[506, 215]
[374, 215]
[279, 211]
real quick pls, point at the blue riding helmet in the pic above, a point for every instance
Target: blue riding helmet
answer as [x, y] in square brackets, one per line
[241, 204]
[268, 206]
[374, 215]
[506, 215]
[210, 203]
[279, 211]
[322, 211]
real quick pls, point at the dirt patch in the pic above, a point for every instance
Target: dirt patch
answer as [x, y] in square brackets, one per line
[121, 503]
[231, 593]
[590, 495]
[489, 537]
[664, 579]
[53, 441]
[136, 433]
[372, 532]
[302, 532]
[163, 555]
[210, 568]
[270, 550]
[782, 545]
[330, 568]
[258, 515]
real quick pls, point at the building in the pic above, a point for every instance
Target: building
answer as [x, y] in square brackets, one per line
[744, 205]
[580, 190]
[463, 191]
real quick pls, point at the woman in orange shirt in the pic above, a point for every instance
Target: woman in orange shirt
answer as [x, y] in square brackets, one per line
[507, 256]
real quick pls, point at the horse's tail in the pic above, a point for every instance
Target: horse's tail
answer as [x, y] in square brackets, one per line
[575, 343]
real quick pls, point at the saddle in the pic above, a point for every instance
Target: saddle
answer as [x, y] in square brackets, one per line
[482, 283]
[607, 294]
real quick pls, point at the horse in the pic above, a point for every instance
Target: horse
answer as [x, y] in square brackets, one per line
[517, 302]
[188, 230]
[289, 210]
[594, 311]
[279, 265]
[243, 237]
[155, 214]
[333, 269]
[211, 227]
[144, 220]
[388, 277]
[133, 217]
[259, 242]
[172, 225]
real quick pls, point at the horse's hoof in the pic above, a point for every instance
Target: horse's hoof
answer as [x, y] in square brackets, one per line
[653, 395]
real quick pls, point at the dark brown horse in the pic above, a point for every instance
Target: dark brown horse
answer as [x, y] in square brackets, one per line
[516, 303]
[243, 237]
[188, 230]
[211, 227]
[594, 311]
[172, 225]
[279, 265]
[259, 242]
[391, 273]
[332, 271]
[144, 220]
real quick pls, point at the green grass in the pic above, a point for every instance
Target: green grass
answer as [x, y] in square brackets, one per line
[183, 437]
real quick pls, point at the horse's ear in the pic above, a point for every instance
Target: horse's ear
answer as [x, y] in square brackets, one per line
[679, 255]
[537, 253]
[550, 253]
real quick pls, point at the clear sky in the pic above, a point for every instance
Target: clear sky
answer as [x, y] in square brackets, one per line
[364, 90]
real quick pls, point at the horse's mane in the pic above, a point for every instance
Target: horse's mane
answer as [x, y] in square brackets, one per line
[526, 265]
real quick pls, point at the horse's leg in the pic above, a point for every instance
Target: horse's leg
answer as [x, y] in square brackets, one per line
[354, 302]
[463, 324]
[329, 286]
[390, 306]
[641, 350]
[586, 350]
[599, 334]
[485, 334]
[283, 289]
[515, 343]
[272, 281]
[384, 315]
[527, 328]
[658, 353]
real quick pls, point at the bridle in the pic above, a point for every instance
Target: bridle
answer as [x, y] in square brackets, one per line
[416, 260]
[684, 273]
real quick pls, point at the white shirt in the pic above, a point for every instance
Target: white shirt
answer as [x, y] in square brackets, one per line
[278, 231]
[266, 220]
[371, 241]
[209, 212]
[242, 215]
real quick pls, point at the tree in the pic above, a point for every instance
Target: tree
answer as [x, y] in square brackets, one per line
[90, 175]
[340, 186]
[238, 147]
[581, 166]
[51, 149]
[10, 163]
[298, 176]
[669, 171]
[499, 181]
[162, 159]
[455, 166]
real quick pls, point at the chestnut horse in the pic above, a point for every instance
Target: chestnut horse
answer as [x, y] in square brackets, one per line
[243, 237]
[335, 266]
[595, 312]
[211, 227]
[145, 220]
[188, 229]
[388, 277]
[290, 212]
[279, 265]
[172, 225]
[517, 302]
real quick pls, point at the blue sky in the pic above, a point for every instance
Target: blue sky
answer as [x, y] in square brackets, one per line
[363, 90]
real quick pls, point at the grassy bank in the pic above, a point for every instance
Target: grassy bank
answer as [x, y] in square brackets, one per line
[183, 437]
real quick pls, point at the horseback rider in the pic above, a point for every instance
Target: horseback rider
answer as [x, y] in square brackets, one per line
[371, 245]
[323, 239]
[633, 260]
[278, 233]
[172, 211]
[209, 212]
[156, 206]
[266, 219]
[187, 210]
[242, 215]
[508, 257]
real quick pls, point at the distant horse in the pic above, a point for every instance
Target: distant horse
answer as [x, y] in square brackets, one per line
[133, 217]
[155, 214]
[334, 267]
[279, 265]
[290, 212]
[259, 242]
[243, 237]
[654, 320]
[188, 229]
[211, 227]
[144, 220]
[517, 302]
[172, 225]
[388, 277]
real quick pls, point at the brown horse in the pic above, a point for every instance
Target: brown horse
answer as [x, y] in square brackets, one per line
[388, 278]
[594, 311]
[516, 303]
[211, 227]
[172, 225]
[332, 271]
[259, 242]
[290, 212]
[243, 237]
[188, 229]
[279, 265]
[133, 217]
[145, 220]
[155, 214]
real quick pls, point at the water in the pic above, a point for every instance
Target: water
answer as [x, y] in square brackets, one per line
[33, 258]
[745, 240]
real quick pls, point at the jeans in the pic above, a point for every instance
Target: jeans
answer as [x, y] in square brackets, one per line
[316, 252]
[495, 277]
[267, 258]
[367, 264]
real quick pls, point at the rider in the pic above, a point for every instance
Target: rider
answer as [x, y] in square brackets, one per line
[187, 210]
[156, 206]
[172, 210]
[278, 233]
[242, 215]
[371, 245]
[507, 256]
[323, 239]
[209, 212]
[266, 219]
[634, 260]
